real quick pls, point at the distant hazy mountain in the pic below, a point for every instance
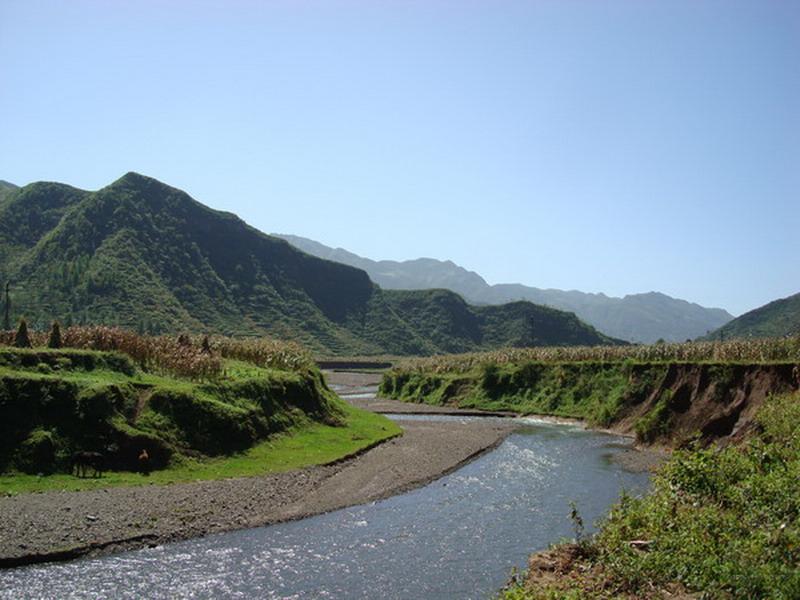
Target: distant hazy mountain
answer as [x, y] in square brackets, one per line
[141, 254]
[776, 319]
[637, 317]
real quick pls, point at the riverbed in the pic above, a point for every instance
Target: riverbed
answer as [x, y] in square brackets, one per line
[457, 537]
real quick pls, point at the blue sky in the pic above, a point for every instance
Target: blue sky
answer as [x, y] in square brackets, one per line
[604, 146]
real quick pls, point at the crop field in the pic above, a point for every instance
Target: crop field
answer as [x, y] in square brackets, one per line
[192, 357]
[753, 351]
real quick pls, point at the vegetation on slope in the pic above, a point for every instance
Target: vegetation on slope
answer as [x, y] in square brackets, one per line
[662, 393]
[145, 256]
[5, 189]
[455, 326]
[780, 318]
[724, 523]
[54, 402]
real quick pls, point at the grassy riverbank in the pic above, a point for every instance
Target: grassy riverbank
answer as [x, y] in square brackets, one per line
[663, 393]
[303, 446]
[721, 522]
[197, 414]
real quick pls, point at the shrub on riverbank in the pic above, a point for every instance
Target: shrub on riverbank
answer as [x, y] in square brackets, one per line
[722, 522]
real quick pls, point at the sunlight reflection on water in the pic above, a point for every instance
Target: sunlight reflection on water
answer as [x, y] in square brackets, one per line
[455, 538]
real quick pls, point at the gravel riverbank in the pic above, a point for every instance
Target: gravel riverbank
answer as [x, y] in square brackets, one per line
[63, 525]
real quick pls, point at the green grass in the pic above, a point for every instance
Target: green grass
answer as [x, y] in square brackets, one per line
[302, 446]
[250, 420]
[593, 391]
[724, 523]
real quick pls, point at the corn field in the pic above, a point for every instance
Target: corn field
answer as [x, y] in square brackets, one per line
[757, 350]
[264, 352]
[181, 356]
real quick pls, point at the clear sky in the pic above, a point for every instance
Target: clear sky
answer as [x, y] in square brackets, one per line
[604, 146]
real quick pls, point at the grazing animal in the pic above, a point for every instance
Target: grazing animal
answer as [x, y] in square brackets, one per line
[82, 462]
[144, 462]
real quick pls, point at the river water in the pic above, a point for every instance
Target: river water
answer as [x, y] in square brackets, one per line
[457, 537]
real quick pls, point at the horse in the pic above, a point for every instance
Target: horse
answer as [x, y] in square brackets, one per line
[83, 461]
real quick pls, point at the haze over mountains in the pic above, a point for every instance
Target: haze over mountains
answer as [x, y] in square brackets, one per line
[638, 317]
[144, 255]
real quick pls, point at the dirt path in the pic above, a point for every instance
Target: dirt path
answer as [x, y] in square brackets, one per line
[64, 525]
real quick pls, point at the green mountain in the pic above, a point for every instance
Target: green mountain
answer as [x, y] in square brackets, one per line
[455, 326]
[144, 255]
[779, 318]
[5, 189]
[636, 317]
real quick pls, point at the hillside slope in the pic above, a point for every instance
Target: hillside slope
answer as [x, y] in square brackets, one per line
[143, 255]
[777, 319]
[455, 326]
[636, 317]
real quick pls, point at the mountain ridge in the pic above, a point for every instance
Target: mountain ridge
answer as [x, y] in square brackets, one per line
[142, 254]
[645, 317]
[778, 318]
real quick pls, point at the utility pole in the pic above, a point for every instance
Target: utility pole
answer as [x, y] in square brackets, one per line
[7, 320]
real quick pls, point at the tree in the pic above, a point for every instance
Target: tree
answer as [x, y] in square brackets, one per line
[22, 339]
[55, 336]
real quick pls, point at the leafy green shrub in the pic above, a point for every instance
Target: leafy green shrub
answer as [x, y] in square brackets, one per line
[721, 522]
[657, 421]
[37, 454]
[490, 378]
[96, 404]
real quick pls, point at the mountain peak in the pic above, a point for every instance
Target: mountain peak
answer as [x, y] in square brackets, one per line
[136, 180]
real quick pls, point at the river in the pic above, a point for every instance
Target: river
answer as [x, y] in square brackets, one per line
[457, 537]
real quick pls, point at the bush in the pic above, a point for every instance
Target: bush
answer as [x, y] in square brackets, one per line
[657, 422]
[723, 522]
[37, 454]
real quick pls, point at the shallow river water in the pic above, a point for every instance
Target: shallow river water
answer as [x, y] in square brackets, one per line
[458, 537]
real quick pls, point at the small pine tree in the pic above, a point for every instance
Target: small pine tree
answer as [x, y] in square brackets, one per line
[55, 336]
[22, 339]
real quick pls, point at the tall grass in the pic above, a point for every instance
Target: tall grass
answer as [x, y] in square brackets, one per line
[182, 356]
[264, 352]
[759, 351]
